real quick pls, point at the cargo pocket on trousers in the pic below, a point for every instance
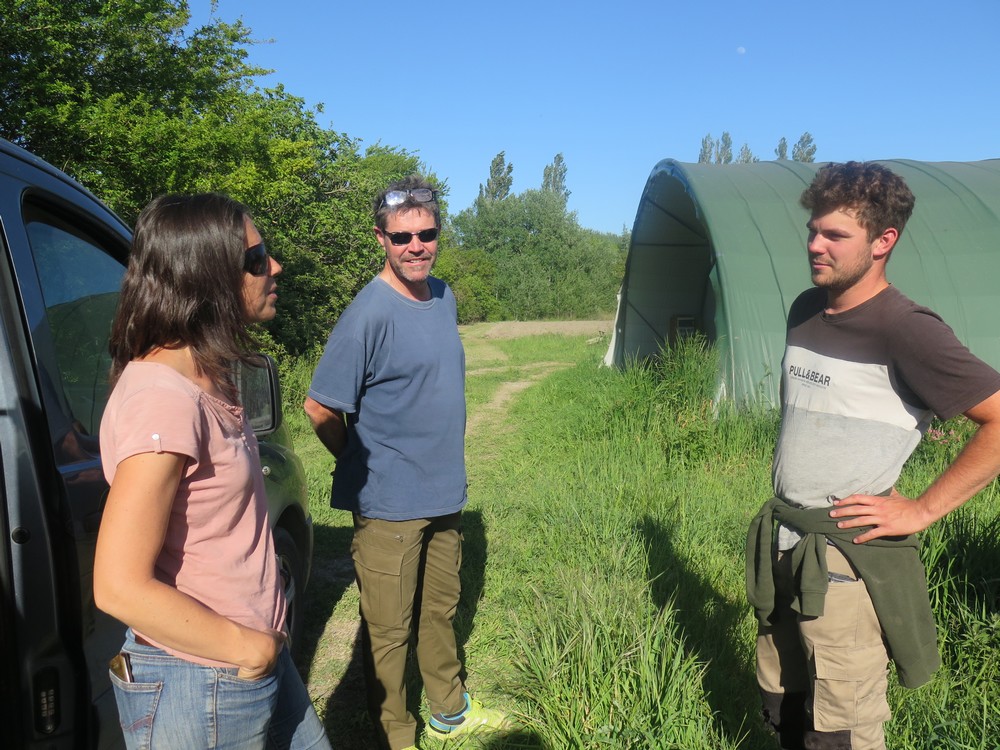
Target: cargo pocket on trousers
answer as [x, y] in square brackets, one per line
[849, 690]
[380, 580]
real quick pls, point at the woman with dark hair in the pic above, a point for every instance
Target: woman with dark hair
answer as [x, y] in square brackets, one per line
[185, 556]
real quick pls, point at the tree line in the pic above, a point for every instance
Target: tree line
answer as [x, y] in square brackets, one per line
[720, 150]
[133, 102]
[525, 256]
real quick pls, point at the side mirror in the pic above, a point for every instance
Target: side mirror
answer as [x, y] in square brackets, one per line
[260, 394]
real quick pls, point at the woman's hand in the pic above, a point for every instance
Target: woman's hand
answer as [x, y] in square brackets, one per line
[263, 648]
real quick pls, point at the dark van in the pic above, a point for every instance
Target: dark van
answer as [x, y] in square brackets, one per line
[63, 257]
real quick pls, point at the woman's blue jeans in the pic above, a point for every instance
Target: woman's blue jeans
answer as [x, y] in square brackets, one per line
[172, 704]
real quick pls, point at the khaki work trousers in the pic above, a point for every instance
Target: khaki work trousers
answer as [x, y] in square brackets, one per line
[823, 679]
[403, 567]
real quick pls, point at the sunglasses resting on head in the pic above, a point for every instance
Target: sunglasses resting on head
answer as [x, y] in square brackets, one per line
[397, 197]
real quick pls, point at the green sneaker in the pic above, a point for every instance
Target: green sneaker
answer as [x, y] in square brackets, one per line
[473, 718]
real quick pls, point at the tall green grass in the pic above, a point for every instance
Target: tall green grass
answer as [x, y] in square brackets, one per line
[603, 587]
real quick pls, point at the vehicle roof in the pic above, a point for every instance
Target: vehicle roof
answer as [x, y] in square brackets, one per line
[26, 157]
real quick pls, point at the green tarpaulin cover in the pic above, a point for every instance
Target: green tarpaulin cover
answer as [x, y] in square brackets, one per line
[721, 249]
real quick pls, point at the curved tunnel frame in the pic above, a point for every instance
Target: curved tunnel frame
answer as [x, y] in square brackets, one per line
[721, 249]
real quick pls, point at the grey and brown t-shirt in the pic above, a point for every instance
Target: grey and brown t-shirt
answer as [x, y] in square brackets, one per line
[859, 389]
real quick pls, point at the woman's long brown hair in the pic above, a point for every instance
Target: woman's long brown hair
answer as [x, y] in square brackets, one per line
[184, 286]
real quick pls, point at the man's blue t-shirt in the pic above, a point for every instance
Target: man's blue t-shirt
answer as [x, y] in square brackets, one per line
[396, 367]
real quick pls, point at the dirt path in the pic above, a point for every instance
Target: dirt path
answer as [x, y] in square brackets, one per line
[476, 337]
[492, 413]
[510, 329]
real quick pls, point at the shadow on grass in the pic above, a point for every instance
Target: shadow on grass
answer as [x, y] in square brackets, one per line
[520, 739]
[332, 574]
[346, 717]
[711, 626]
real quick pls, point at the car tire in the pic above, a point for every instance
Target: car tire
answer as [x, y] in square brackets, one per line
[292, 571]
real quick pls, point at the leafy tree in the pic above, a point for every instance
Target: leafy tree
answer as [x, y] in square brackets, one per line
[471, 274]
[489, 225]
[782, 150]
[724, 149]
[500, 180]
[804, 149]
[321, 221]
[63, 61]
[554, 177]
[746, 155]
[526, 257]
[718, 151]
[126, 99]
[707, 149]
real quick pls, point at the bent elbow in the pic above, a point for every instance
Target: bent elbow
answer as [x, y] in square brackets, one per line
[107, 594]
[317, 413]
[310, 406]
[105, 597]
[113, 596]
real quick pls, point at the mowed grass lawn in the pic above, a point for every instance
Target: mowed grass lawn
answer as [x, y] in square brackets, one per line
[603, 602]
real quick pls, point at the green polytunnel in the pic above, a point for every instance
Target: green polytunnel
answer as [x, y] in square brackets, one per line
[720, 249]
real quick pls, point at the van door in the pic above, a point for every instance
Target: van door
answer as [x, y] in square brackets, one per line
[68, 268]
[79, 280]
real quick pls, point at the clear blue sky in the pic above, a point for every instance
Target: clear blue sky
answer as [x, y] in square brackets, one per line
[617, 86]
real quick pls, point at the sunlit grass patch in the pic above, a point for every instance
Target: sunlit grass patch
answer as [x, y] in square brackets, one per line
[603, 594]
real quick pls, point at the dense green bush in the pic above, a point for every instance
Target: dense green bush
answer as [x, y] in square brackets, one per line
[530, 259]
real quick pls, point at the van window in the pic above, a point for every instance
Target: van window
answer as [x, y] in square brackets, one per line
[80, 282]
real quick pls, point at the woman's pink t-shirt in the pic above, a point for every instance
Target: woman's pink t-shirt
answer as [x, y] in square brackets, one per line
[218, 547]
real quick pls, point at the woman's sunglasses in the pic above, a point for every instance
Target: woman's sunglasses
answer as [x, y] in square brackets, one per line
[255, 262]
[405, 238]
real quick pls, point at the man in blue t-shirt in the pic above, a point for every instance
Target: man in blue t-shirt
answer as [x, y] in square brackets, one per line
[388, 401]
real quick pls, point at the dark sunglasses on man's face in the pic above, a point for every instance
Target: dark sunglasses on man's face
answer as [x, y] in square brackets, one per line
[405, 238]
[255, 262]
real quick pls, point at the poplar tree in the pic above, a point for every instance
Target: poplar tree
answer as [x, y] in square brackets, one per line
[499, 182]
[707, 149]
[804, 149]
[554, 177]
